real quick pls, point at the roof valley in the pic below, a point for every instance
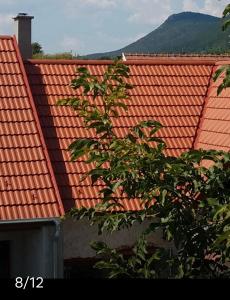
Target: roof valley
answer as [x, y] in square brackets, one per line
[198, 130]
[38, 125]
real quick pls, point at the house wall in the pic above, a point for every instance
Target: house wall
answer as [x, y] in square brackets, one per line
[78, 235]
[33, 252]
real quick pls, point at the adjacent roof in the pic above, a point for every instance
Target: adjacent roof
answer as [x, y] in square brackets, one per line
[27, 185]
[214, 128]
[174, 56]
[170, 92]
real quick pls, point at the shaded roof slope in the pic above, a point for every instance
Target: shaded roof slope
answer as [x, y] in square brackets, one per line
[27, 184]
[170, 92]
[214, 128]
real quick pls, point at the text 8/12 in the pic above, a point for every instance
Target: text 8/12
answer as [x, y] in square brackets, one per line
[23, 283]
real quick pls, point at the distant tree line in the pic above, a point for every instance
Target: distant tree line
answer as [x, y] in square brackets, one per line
[38, 53]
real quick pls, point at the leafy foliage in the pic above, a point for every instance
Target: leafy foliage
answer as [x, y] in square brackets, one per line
[226, 14]
[226, 68]
[140, 265]
[62, 55]
[36, 48]
[181, 197]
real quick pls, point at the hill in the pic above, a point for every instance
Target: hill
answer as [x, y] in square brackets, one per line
[185, 32]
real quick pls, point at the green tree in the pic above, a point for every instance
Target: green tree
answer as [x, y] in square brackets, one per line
[226, 68]
[36, 48]
[38, 53]
[187, 201]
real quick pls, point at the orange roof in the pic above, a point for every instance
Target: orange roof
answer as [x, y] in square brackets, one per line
[175, 56]
[27, 185]
[170, 92]
[33, 171]
[214, 128]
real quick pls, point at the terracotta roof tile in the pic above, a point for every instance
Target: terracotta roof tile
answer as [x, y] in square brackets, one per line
[214, 128]
[170, 93]
[27, 185]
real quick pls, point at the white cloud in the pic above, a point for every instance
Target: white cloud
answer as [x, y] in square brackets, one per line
[148, 11]
[100, 3]
[6, 23]
[190, 5]
[70, 43]
[211, 7]
[8, 2]
[117, 42]
[139, 11]
[78, 8]
[214, 7]
[78, 5]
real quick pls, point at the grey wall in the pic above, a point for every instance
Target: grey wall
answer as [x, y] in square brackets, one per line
[78, 235]
[33, 252]
[38, 252]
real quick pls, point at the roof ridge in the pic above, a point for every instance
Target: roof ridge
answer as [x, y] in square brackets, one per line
[38, 125]
[176, 54]
[173, 61]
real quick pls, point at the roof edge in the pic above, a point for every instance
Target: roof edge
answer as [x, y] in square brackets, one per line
[8, 37]
[173, 61]
[222, 62]
[38, 125]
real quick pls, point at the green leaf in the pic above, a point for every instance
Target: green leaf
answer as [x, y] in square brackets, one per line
[62, 102]
[82, 143]
[152, 228]
[83, 70]
[68, 102]
[116, 185]
[138, 132]
[224, 209]
[219, 72]
[225, 25]
[96, 125]
[213, 202]
[220, 89]
[79, 147]
[150, 123]
[226, 11]
[222, 238]
[131, 138]
[157, 140]
[98, 171]
[101, 129]
[226, 80]
[107, 192]
[162, 197]
[77, 154]
[114, 113]
[99, 247]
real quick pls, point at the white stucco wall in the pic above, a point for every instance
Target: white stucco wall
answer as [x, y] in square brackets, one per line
[78, 235]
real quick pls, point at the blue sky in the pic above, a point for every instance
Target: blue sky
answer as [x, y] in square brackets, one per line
[89, 26]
